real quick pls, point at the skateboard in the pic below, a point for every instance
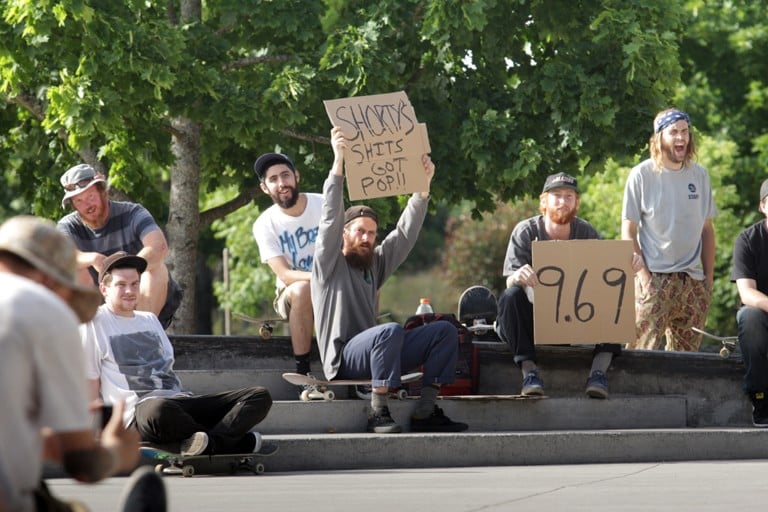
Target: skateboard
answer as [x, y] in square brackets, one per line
[730, 343]
[327, 394]
[267, 325]
[477, 310]
[170, 461]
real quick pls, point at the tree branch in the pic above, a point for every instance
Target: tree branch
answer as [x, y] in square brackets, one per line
[246, 196]
[305, 137]
[250, 61]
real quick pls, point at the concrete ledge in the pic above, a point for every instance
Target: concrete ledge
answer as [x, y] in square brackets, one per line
[486, 414]
[371, 451]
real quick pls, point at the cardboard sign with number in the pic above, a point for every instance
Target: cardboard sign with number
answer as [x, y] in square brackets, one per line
[586, 293]
[386, 143]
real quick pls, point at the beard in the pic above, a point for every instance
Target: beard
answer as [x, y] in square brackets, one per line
[289, 201]
[562, 218]
[359, 256]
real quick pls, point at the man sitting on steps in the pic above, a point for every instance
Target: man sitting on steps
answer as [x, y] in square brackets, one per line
[129, 357]
[348, 270]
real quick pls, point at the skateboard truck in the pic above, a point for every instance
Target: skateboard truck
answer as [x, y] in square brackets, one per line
[729, 342]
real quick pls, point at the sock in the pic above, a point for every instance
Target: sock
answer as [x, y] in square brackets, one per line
[426, 404]
[379, 401]
[527, 367]
[302, 363]
[601, 362]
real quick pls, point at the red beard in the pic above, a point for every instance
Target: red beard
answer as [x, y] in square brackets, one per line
[359, 256]
[562, 218]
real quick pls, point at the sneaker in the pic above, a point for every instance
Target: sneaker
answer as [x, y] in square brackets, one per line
[759, 409]
[532, 384]
[381, 422]
[194, 444]
[364, 392]
[597, 385]
[144, 492]
[437, 422]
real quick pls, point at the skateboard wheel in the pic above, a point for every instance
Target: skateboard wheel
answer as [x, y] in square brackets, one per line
[159, 469]
[402, 394]
[258, 468]
[304, 396]
[265, 332]
[187, 470]
[725, 353]
[329, 395]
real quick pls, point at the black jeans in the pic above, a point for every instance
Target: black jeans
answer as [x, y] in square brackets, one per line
[514, 323]
[753, 339]
[226, 417]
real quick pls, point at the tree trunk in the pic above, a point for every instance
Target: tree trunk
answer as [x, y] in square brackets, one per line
[183, 228]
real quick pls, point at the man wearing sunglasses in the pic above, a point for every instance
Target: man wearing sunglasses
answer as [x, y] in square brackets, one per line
[101, 227]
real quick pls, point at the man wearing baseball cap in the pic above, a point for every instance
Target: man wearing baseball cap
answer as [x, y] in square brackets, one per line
[348, 270]
[750, 273]
[42, 389]
[286, 233]
[558, 204]
[130, 358]
[100, 227]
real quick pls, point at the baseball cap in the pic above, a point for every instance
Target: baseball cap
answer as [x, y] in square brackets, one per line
[764, 190]
[38, 242]
[267, 160]
[122, 259]
[560, 179]
[354, 212]
[78, 179]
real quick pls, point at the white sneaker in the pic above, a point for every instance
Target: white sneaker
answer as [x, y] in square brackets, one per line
[194, 444]
[257, 443]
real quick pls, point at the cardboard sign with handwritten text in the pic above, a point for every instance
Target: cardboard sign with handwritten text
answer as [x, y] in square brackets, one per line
[586, 293]
[385, 141]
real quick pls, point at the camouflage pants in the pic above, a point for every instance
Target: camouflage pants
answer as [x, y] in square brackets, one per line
[670, 305]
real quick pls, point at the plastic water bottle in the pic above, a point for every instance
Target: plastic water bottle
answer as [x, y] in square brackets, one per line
[424, 307]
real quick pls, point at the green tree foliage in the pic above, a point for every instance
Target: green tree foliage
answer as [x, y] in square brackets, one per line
[475, 248]
[174, 100]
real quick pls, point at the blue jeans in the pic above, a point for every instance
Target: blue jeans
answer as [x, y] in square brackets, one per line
[753, 339]
[381, 353]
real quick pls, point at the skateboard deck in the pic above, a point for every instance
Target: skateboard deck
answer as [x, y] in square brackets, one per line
[477, 310]
[328, 394]
[170, 461]
[729, 343]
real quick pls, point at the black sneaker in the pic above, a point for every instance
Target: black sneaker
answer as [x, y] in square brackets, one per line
[759, 409]
[143, 492]
[437, 422]
[381, 422]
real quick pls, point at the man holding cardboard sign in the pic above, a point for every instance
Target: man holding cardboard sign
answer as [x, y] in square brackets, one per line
[347, 272]
[559, 204]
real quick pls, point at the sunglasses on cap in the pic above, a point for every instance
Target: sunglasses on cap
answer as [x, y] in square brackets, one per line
[79, 185]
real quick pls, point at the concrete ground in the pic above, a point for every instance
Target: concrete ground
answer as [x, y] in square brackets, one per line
[682, 486]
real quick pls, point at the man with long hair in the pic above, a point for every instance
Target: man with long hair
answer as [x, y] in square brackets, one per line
[559, 206]
[667, 212]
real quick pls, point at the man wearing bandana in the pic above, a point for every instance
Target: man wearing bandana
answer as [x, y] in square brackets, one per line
[347, 272]
[667, 212]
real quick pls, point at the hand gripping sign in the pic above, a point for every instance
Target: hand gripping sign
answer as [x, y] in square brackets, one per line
[385, 144]
[586, 292]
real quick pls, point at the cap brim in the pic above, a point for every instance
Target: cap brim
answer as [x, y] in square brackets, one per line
[85, 302]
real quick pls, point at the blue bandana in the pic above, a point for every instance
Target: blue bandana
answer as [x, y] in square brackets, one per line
[669, 118]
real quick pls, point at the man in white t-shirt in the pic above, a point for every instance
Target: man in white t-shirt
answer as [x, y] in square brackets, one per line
[129, 358]
[286, 233]
[42, 386]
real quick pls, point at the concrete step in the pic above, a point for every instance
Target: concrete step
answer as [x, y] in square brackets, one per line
[486, 414]
[324, 452]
